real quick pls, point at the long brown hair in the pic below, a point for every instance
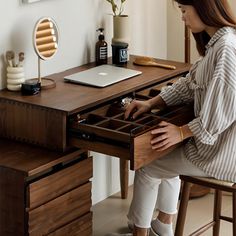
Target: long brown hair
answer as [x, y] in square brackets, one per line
[215, 13]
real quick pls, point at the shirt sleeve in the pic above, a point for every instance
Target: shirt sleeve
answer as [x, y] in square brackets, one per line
[219, 108]
[182, 91]
[178, 93]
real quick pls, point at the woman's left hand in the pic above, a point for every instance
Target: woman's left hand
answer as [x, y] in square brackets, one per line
[165, 135]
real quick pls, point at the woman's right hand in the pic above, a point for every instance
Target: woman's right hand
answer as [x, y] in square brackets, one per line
[136, 108]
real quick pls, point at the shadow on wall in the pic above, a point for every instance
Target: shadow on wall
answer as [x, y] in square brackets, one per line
[16, 41]
[87, 51]
[3, 72]
[92, 36]
[21, 40]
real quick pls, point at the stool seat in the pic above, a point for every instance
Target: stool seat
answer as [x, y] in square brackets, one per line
[216, 181]
[209, 182]
[218, 186]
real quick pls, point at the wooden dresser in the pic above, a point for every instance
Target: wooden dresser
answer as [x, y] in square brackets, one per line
[44, 192]
[48, 192]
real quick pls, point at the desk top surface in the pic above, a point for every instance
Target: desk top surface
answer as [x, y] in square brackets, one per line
[71, 98]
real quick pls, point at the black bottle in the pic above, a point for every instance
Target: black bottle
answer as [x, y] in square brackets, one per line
[101, 49]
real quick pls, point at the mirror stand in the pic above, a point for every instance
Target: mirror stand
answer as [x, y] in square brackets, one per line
[45, 83]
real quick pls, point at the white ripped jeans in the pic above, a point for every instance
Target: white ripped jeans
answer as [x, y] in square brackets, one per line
[158, 184]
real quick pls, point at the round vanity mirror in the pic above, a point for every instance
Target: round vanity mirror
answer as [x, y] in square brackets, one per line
[45, 40]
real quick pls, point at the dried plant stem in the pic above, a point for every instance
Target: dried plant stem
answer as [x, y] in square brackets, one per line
[115, 9]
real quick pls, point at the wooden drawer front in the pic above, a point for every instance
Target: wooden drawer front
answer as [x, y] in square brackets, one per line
[55, 185]
[79, 227]
[142, 152]
[61, 211]
[33, 124]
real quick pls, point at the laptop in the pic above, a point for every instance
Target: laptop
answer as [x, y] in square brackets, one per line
[102, 76]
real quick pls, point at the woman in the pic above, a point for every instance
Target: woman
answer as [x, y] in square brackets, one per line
[210, 150]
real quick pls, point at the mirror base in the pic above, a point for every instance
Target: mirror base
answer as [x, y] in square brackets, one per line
[46, 83]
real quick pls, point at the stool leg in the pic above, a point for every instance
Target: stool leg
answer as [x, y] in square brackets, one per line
[179, 229]
[217, 212]
[234, 213]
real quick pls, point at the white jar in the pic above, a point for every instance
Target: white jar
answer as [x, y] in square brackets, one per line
[15, 77]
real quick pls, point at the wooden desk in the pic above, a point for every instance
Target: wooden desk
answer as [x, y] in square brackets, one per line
[19, 115]
[42, 120]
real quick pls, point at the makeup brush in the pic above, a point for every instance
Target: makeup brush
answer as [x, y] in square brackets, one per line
[21, 59]
[148, 61]
[10, 57]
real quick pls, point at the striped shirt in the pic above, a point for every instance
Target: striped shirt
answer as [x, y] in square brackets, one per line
[211, 84]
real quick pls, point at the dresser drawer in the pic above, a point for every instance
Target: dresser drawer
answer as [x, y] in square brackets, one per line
[60, 211]
[104, 130]
[60, 182]
[78, 227]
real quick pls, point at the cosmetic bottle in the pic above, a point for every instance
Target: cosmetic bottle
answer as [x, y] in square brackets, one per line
[101, 48]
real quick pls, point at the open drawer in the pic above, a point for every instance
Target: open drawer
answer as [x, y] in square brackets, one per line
[104, 130]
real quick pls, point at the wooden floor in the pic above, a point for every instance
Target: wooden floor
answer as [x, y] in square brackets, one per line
[110, 215]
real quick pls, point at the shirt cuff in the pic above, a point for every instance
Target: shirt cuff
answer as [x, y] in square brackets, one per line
[168, 97]
[200, 132]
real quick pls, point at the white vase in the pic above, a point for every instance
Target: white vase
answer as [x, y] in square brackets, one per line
[15, 77]
[121, 29]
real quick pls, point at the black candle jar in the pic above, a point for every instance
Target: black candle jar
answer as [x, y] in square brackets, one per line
[119, 53]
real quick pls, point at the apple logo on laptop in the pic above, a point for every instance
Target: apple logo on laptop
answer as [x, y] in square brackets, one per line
[102, 73]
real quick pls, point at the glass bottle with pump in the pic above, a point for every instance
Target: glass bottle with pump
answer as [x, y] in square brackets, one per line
[101, 48]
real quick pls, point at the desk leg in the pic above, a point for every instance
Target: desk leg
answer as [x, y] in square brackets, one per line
[124, 178]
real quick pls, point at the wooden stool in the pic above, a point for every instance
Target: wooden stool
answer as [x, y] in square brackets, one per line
[218, 187]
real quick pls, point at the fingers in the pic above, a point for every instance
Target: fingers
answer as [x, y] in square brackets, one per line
[133, 110]
[161, 146]
[160, 143]
[159, 130]
[129, 109]
[136, 114]
[159, 138]
[136, 108]
[164, 136]
[162, 128]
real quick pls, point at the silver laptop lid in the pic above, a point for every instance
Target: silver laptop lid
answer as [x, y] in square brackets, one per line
[102, 76]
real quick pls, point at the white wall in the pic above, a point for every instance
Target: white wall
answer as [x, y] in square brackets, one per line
[77, 21]
[149, 27]
[175, 35]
